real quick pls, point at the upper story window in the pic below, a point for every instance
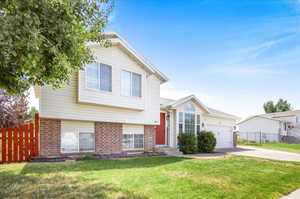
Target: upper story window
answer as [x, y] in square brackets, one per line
[189, 108]
[99, 76]
[131, 84]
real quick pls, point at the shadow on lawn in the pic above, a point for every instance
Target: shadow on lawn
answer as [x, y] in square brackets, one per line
[57, 186]
[97, 165]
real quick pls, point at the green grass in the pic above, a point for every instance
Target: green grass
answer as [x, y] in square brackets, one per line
[157, 177]
[279, 146]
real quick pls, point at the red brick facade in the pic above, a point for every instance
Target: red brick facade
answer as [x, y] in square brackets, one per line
[149, 138]
[49, 137]
[108, 137]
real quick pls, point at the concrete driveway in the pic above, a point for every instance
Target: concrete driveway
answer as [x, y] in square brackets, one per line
[262, 153]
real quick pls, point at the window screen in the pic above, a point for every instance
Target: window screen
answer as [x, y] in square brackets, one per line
[133, 141]
[92, 75]
[86, 142]
[126, 83]
[136, 85]
[69, 142]
[105, 77]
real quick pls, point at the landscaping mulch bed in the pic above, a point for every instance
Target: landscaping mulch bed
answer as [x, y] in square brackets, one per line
[76, 157]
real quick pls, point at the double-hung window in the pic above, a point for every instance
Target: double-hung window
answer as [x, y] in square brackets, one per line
[131, 84]
[74, 142]
[99, 76]
[133, 141]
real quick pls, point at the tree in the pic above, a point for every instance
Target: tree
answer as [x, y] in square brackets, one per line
[31, 113]
[281, 106]
[44, 42]
[269, 107]
[13, 109]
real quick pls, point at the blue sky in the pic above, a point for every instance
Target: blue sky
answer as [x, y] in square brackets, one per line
[233, 54]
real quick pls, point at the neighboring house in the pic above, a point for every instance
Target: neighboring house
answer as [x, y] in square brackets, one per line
[114, 106]
[189, 114]
[111, 106]
[273, 126]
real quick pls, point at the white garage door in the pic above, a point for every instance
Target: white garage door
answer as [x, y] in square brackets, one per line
[224, 136]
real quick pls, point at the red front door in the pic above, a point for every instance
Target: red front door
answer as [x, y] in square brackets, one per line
[160, 130]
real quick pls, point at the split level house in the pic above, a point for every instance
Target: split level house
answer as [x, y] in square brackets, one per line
[114, 106]
[272, 127]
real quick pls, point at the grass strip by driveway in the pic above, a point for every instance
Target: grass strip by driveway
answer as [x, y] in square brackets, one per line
[295, 148]
[157, 177]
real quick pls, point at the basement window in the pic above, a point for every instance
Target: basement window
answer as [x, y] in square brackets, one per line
[133, 141]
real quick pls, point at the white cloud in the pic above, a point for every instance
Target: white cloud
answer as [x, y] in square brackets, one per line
[256, 50]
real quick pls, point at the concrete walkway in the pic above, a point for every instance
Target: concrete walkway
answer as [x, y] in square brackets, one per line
[293, 195]
[263, 153]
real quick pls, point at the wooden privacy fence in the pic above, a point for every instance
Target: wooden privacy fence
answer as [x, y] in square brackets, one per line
[19, 143]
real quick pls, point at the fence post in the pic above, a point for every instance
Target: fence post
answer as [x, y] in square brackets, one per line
[26, 142]
[9, 144]
[21, 143]
[31, 139]
[16, 145]
[259, 137]
[4, 158]
[37, 129]
[247, 138]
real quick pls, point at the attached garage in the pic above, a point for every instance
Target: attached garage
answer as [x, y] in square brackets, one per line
[189, 115]
[224, 136]
[222, 129]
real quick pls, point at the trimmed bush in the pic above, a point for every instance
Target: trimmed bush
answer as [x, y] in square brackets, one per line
[187, 143]
[206, 142]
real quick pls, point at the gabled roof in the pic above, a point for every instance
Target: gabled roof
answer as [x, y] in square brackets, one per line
[186, 99]
[116, 39]
[222, 114]
[261, 116]
[172, 104]
[282, 114]
[274, 116]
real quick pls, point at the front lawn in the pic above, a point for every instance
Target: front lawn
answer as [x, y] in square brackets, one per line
[157, 177]
[279, 146]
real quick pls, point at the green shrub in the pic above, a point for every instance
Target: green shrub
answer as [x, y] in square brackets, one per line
[187, 143]
[206, 141]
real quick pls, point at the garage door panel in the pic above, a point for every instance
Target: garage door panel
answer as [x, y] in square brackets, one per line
[224, 136]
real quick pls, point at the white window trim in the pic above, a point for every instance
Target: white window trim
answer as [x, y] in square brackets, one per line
[124, 70]
[77, 131]
[99, 79]
[134, 149]
[183, 122]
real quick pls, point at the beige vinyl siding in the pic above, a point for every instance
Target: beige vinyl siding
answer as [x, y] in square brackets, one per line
[199, 110]
[215, 121]
[75, 102]
[119, 62]
[129, 128]
[77, 126]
